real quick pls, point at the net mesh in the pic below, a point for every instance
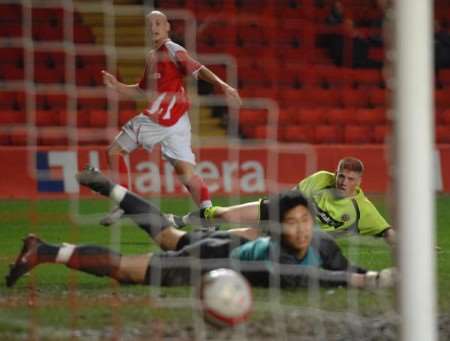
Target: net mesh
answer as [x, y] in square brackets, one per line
[63, 46]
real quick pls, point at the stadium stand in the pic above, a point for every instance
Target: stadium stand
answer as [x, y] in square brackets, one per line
[281, 51]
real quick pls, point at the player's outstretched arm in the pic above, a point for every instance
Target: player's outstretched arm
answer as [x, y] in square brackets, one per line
[232, 95]
[129, 91]
[390, 237]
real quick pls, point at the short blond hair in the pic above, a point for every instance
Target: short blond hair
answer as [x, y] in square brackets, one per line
[352, 164]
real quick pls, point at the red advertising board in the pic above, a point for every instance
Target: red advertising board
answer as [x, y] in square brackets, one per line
[49, 171]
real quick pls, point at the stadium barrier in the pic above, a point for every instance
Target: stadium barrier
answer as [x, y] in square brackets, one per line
[48, 172]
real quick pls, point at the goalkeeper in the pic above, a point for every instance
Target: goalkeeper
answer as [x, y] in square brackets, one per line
[294, 253]
[340, 204]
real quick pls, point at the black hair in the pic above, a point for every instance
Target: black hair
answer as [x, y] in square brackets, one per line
[281, 203]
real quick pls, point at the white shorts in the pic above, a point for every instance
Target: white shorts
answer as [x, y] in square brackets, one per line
[175, 140]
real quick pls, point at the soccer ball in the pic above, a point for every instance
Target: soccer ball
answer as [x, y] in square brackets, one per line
[225, 297]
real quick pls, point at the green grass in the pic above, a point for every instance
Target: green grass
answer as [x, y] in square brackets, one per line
[54, 303]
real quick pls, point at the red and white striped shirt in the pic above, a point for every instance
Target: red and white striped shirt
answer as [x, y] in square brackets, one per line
[164, 74]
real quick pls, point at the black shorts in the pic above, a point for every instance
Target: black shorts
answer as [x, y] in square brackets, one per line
[264, 209]
[205, 252]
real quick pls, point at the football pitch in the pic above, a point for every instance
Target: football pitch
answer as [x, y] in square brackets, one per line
[54, 303]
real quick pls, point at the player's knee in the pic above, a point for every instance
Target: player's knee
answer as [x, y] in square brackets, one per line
[115, 150]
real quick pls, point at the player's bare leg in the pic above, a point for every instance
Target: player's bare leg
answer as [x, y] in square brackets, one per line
[193, 182]
[246, 214]
[119, 164]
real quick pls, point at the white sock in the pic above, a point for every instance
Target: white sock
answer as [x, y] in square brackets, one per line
[118, 193]
[64, 253]
[206, 204]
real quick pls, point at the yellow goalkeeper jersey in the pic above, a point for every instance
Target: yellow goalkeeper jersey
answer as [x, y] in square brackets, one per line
[336, 214]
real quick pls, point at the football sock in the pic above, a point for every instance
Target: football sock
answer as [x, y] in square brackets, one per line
[142, 212]
[95, 260]
[199, 191]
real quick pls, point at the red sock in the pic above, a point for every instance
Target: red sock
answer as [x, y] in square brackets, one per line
[95, 260]
[199, 191]
[120, 167]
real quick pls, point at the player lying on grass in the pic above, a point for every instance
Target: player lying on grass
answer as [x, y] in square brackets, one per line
[294, 254]
[340, 205]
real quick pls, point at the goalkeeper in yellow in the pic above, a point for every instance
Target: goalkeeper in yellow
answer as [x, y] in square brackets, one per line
[340, 204]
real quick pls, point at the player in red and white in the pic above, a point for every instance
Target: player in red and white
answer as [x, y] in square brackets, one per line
[165, 120]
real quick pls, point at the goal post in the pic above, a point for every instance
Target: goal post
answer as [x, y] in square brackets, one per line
[413, 162]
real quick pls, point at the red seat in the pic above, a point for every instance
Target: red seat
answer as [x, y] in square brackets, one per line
[252, 117]
[83, 118]
[92, 103]
[442, 98]
[47, 32]
[341, 116]
[11, 11]
[367, 78]
[125, 116]
[86, 79]
[256, 132]
[48, 15]
[11, 72]
[83, 35]
[297, 133]
[51, 101]
[11, 30]
[354, 134]
[46, 118]
[85, 60]
[380, 133]
[57, 101]
[294, 77]
[254, 7]
[354, 98]
[370, 116]
[12, 100]
[173, 4]
[294, 98]
[444, 117]
[323, 98]
[217, 36]
[19, 136]
[127, 105]
[5, 139]
[285, 117]
[290, 10]
[336, 77]
[98, 118]
[8, 117]
[443, 134]
[312, 116]
[49, 76]
[328, 134]
[444, 77]
[376, 54]
[205, 9]
[50, 59]
[377, 98]
[11, 55]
